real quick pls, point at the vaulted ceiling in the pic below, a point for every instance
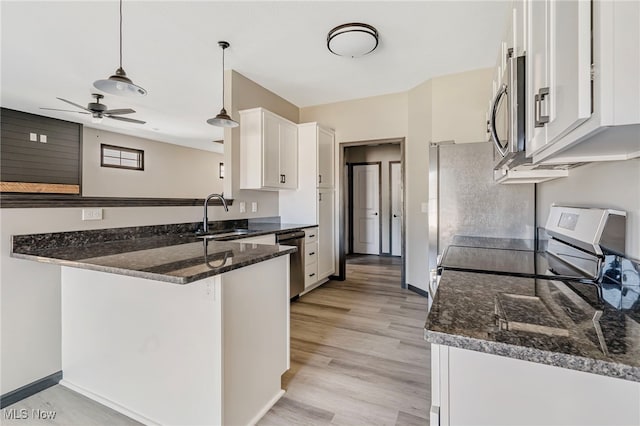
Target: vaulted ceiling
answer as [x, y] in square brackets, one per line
[57, 49]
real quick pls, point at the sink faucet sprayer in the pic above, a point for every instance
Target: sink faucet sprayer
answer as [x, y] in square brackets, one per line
[205, 220]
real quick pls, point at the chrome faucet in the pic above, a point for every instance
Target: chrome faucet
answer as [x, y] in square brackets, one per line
[205, 220]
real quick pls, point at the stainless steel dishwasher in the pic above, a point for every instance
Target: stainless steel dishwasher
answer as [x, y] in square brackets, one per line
[296, 261]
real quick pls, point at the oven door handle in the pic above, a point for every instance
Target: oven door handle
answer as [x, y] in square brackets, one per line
[492, 120]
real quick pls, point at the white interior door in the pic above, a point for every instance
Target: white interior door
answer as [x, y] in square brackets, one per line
[396, 209]
[366, 209]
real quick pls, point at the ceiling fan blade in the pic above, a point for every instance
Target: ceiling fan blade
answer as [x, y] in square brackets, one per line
[74, 104]
[130, 120]
[65, 110]
[119, 111]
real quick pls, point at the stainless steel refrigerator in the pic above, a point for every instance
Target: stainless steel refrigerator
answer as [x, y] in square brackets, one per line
[465, 200]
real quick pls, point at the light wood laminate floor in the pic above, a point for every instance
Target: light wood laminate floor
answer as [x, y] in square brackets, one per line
[357, 358]
[358, 355]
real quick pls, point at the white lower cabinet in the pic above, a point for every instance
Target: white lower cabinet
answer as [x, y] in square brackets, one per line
[476, 388]
[326, 221]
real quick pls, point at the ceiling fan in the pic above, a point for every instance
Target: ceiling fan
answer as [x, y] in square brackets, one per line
[98, 110]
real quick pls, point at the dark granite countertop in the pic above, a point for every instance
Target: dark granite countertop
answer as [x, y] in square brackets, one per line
[539, 320]
[168, 253]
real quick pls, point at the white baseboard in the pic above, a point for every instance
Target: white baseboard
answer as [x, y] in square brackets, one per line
[266, 408]
[113, 405]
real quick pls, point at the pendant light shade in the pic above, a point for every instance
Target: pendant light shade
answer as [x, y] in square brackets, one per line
[223, 119]
[119, 83]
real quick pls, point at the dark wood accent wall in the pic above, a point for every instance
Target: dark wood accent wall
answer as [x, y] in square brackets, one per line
[17, 201]
[58, 161]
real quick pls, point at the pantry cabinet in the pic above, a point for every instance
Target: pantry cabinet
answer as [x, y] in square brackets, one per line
[314, 201]
[326, 147]
[326, 222]
[268, 151]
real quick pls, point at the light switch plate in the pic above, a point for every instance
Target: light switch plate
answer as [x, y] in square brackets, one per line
[243, 207]
[254, 206]
[43, 138]
[91, 214]
[33, 137]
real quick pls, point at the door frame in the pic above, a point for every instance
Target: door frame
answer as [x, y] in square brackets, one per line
[391, 163]
[341, 186]
[350, 212]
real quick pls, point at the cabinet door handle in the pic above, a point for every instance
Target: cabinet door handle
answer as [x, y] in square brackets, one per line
[375, 214]
[395, 215]
[541, 120]
[283, 179]
[319, 178]
[320, 196]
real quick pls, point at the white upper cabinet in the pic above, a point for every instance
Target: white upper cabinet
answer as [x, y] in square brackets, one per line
[559, 70]
[326, 145]
[583, 81]
[268, 151]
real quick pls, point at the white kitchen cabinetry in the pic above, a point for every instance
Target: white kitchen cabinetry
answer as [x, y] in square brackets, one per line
[314, 201]
[558, 70]
[268, 151]
[326, 146]
[479, 388]
[576, 111]
[326, 222]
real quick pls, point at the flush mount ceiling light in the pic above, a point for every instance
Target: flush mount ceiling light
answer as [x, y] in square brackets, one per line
[119, 83]
[223, 119]
[352, 40]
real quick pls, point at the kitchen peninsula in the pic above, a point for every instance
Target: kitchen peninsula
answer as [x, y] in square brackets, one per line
[168, 328]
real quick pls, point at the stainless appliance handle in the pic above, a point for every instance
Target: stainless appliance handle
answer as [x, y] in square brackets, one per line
[492, 124]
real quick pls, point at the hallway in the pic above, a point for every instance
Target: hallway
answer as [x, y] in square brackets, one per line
[357, 352]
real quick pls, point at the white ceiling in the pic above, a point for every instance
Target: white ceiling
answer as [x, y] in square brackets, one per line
[57, 49]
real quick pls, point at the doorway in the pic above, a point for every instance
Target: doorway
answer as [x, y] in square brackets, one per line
[365, 195]
[371, 204]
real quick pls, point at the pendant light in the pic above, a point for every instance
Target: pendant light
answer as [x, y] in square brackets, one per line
[119, 83]
[223, 119]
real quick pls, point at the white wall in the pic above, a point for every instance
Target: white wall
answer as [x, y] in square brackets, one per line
[30, 291]
[417, 184]
[384, 154]
[170, 171]
[613, 184]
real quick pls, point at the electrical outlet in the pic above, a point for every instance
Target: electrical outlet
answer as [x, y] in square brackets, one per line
[91, 214]
[254, 206]
[243, 207]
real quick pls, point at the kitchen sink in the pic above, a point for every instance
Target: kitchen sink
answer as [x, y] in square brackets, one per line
[225, 234]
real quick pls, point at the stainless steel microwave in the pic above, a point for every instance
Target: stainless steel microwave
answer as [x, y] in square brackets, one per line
[507, 116]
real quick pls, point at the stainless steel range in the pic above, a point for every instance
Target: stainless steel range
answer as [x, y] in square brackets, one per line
[581, 288]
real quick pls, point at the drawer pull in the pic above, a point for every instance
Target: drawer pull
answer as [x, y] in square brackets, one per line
[312, 253]
[311, 275]
[312, 235]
